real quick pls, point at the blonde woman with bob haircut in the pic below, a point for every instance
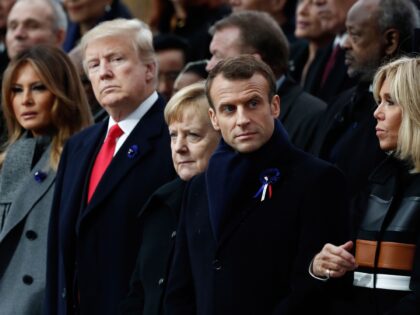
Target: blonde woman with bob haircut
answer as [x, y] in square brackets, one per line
[402, 78]
[384, 258]
[193, 140]
[44, 104]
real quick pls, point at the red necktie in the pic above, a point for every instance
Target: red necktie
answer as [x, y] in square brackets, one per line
[104, 157]
[330, 64]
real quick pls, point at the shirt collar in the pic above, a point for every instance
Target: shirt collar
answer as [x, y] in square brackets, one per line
[129, 122]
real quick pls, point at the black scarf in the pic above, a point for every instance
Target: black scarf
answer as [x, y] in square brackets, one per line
[233, 178]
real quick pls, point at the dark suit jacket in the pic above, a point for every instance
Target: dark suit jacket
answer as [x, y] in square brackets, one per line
[297, 111]
[97, 243]
[346, 136]
[259, 265]
[159, 218]
[337, 80]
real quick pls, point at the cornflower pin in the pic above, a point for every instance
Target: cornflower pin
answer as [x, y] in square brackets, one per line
[267, 178]
[132, 151]
[39, 176]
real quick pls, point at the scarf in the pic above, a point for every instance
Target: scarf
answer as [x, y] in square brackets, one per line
[234, 178]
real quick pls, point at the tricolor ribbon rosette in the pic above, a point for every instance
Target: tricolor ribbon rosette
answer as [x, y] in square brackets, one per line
[267, 178]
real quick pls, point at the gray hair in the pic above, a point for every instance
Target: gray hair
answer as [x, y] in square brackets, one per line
[402, 15]
[59, 18]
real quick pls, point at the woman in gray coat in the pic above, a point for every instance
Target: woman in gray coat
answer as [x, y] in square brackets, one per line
[43, 105]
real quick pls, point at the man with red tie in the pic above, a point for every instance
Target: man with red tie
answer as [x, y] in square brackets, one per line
[106, 174]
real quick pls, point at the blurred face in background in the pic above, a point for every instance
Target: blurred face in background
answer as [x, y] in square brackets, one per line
[308, 23]
[193, 140]
[171, 62]
[224, 44]
[333, 14]
[30, 23]
[31, 101]
[76, 57]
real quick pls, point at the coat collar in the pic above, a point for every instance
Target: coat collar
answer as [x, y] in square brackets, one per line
[25, 202]
[231, 177]
[169, 194]
[151, 126]
[389, 167]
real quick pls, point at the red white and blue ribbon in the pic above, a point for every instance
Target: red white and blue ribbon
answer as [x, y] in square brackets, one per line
[267, 178]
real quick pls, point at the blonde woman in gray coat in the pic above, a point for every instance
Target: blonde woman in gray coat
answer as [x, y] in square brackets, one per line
[43, 105]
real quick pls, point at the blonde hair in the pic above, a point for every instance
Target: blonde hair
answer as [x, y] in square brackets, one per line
[70, 112]
[137, 32]
[192, 96]
[403, 77]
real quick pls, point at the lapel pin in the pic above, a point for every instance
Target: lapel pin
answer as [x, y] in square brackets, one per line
[39, 176]
[267, 178]
[132, 151]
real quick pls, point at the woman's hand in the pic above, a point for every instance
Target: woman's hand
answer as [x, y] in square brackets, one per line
[334, 261]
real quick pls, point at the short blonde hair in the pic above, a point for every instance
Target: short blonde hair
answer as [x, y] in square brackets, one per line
[192, 96]
[137, 31]
[403, 77]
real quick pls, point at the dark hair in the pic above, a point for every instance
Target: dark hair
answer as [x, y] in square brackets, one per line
[198, 67]
[259, 33]
[402, 15]
[242, 67]
[170, 41]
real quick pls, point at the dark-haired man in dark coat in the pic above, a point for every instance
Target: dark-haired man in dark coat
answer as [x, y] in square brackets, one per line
[251, 222]
[378, 31]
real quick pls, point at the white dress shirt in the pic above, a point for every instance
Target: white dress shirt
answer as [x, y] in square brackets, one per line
[129, 123]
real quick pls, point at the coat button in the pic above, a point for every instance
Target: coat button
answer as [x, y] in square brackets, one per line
[64, 293]
[173, 234]
[217, 265]
[161, 281]
[31, 235]
[27, 279]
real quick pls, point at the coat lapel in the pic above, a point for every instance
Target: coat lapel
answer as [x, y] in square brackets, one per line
[234, 222]
[29, 194]
[139, 143]
[242, 211]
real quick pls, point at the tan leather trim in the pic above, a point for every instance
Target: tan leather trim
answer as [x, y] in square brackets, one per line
[392, 255]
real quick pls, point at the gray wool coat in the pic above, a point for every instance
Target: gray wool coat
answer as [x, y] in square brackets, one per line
[25, 204]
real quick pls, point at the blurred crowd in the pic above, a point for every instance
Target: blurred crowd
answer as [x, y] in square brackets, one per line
[222, 157]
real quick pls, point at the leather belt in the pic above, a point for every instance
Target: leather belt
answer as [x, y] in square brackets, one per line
[383, 281]
[398, 256]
